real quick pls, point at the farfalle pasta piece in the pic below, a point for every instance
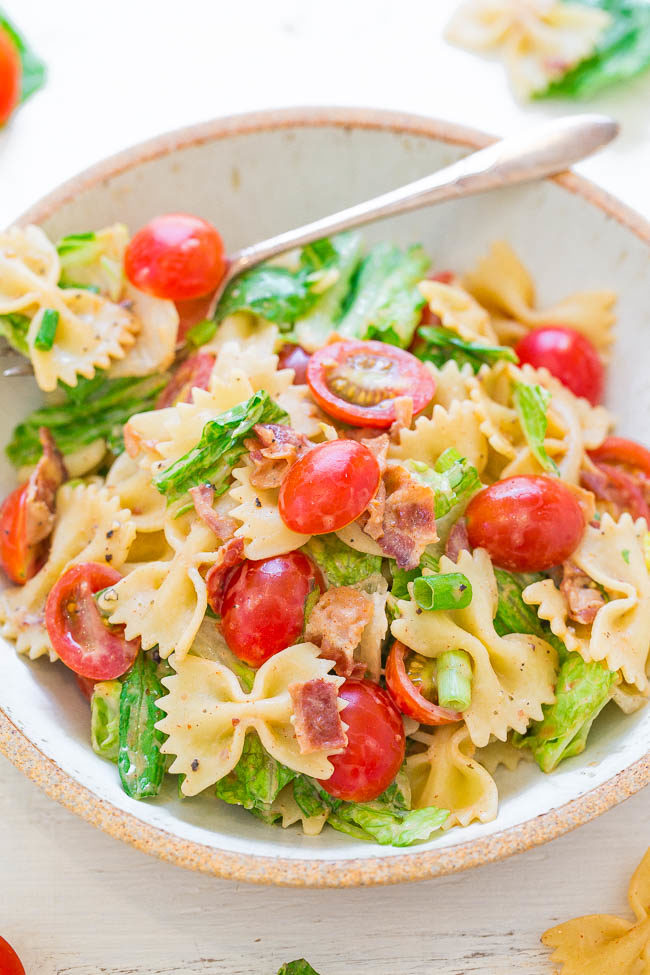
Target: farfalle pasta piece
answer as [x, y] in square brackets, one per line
[447, 775]
[513, 676]
[90, 526]
[453, 382]
[155, 346]
[602, 944]
[262, 528]
[498, 753]
[131, 482]
[459, 427]
[208, 715]
[458, 311]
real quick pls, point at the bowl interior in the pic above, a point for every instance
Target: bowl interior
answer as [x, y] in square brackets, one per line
[257, 183]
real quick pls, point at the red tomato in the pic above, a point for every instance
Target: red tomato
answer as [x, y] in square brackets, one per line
[10, 76]
[83, 641]
[296, 358]
[357, 382]
[376, 741]
[194, 371]
[175, 256]
[10, 963]
[329, 487]
[190, 313]
[406, 695]
[263, 606]
[623, 476]
[18, 559]
[627, 453]
[568, 356]
[527, 523]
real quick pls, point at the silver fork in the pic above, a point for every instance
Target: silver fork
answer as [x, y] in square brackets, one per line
[530, 155]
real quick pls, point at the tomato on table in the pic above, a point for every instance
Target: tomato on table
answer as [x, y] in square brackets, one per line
[357, 382]
[329, 487]
[569, 356]
[623, 477]
[19, 560]
[376, 742]
[296, 358]
[11, 73]
[263, 605]
[408, 698]
[176, 256]
[10, 963]
[527, 523]
[84, 642]
[194, 372]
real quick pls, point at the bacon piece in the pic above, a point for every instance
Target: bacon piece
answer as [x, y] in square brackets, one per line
[273, 451]
[316, 716]
[403, 416]
[336, 624]
[623, 490]
[583, 597]
[223, 526]
[230, 555]
[378, 446]
[458, 540]
[40, 497]
[194, 372]
[404, 522]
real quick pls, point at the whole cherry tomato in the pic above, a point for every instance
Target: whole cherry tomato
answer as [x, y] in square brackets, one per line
[19, 560]
[296, 358]
[263, 606]
[375, 750]
[526, 523]
[10, 963]
[10, 76]
[329, 487]
[408, 697]
[194, 372]
[569, 356]
[175, 256]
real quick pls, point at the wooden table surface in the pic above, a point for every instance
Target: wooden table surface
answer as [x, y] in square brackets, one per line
[72, 900]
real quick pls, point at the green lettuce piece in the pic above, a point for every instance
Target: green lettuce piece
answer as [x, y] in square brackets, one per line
[140, 762]
[297, 967]
[94, 259]
[443, 345]
[311, 330]
[453, 479]
[531, 402]
[33, 69]
[105, 718]
[220, 447]
[341, 565]
[95, 409]
[402, 577]
[516, 616]
[385, 302]
[14, 328]
[256, 779]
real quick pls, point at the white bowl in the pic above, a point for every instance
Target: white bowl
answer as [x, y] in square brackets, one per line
[254, 176]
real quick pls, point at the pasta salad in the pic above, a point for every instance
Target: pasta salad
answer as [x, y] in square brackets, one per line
[336, 552]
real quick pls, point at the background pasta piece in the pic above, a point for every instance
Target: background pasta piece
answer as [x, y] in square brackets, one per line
[458, 311]
[155, 346]
[262, 528]
[459, 427]
[131, 483]
[453, 382]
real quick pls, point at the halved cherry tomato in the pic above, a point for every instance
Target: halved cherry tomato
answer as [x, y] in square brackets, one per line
[526, 523]
[263, 606]
[329, 487]
[376, 741]
[10, 963]
[296, 358]
[190, 313]
[79, 635]
[622, 477]
[18, 559]
[568, 355]
[629, 454]
[10, 76]
[194, 371]
[406, 695]
[357, 382]
[86, 686]
[176, 256]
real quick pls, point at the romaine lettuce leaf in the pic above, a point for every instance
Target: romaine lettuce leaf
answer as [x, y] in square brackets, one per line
[256, 779]
[94, 259]
[140, 762]
[443, 345]
[516, 616]
[33, 69]
[531, 402]
[14, 328]
[311, 330]
[297, 967]
[341, 565]
[453, 480]
[105, 718]
[402, 577]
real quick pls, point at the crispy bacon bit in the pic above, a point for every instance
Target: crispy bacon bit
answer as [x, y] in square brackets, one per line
[223, 526]
[404, 522]
[273, 451]
[230, 555]
[193, 373]
[622, 490]
[378, 445]
[403, 416]
[44, 481]
[316, 716]
[583, 596]
[335, 625]
[458, 540]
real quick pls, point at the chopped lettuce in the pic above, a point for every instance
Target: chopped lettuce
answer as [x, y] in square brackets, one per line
[311, 330]
[341, 565]
[14, 328]
[94, 259]
[515, 616]
[256, 779]
[453, 479]
[220, 447]
[33, 69]
[531, 402]
[105, 718]
[297, 967]
[385, 302]
[140, 762]
[441, 345]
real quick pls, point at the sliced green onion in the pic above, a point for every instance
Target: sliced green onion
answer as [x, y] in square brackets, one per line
[455, 680]
[450, 591]
[47, 330]
[202, 332]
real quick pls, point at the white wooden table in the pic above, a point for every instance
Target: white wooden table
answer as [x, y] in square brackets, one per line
[75, 902]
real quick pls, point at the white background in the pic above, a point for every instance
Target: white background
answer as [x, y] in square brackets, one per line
[75, 902]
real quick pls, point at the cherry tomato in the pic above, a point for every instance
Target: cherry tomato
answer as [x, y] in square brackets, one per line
[357, 382]
[18, 559]
[175, 256]
[10, 76]
[10, 963]
[190, 313]
[194, 371]
[296, 358]
[375, 750]
[79, 635]
[263, 606]
[526, 523]
[568, 356]
[329, 487]
[629, 454]
[622, 477]
[407, 696]
[86, 686]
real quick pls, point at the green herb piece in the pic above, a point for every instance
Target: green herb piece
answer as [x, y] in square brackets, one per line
[453, 480]
[531, 403]
[105, 718]
[625, 552]
[140, 762]
[297, 967]
[78, 286]
[202, 332]
[14, 328]
[33, 69]
[256, 779]
[94, 260]
[46, 334]
[454, 680]
[452, 590]
[341, 565]
[443, 345]
[385, 302]
[220, 447]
